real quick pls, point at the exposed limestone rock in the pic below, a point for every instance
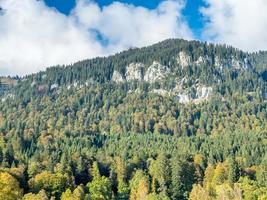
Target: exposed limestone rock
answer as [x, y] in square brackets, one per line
[75, 84]
[184, 98]
[117, 77]
[240, 64]
[232, 63]
[179, 85]
[200, 61]
[53, 86]
[203, 60]
[203, 92]
[161, 92]
[134, 71]
[136, 91]
[222, 63]
[33, 84]
[218, 62]
[184, 59]
[156, 72]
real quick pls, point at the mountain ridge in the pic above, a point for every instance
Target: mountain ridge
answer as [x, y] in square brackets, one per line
[198, 65]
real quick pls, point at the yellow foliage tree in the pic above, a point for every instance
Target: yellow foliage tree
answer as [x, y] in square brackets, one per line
[209, 173]
[226, 191]
[77, 194]
[53, 184]
[40, 196]
[220, 174]
[199, 193]
[139, 186]
[9, 187]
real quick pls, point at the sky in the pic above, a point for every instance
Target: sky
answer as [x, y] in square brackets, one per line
[35, 34]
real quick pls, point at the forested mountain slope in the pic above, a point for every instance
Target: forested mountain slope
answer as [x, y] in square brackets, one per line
[175, 120]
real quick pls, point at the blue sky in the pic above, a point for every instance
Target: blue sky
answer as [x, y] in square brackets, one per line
[191, 10]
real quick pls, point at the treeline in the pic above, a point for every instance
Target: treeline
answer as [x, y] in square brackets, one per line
[166, 52]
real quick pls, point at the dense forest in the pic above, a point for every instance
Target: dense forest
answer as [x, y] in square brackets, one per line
[77, 133]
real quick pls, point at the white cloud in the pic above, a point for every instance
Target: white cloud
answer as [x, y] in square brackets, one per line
[33, 36]
[125, 25]
[241, 23]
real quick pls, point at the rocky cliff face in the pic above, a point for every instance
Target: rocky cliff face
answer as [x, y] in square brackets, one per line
[177, 72]
[202, 93]
[203, 60]
[137, 72]
[117, 77]
[183, 59]
[232, 63]
[134, 71]
[156, 72]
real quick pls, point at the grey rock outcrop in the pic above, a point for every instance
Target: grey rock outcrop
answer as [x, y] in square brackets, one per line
[117, 77]
[203, 92]
[184, 60]
[134, 71]
[156, 72]
[234, 63]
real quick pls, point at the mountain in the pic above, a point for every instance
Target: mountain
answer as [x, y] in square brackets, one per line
[167, 121]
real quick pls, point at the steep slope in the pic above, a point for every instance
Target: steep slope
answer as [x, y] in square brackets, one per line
[169, 121]
[143, 90]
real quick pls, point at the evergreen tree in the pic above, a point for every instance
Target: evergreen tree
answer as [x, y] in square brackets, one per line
[182, 178]
[233, 173]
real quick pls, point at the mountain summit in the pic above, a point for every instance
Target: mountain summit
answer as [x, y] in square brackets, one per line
[189, 70]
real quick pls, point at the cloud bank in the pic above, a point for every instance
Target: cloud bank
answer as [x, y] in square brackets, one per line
[240, 23]
[34, 36]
